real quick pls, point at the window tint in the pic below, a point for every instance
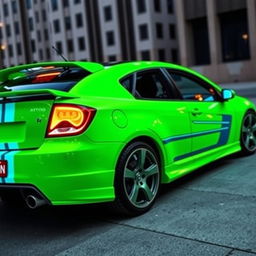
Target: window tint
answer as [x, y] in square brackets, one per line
[59, 78]
[127, 83]
[191, 89]
[152, 85]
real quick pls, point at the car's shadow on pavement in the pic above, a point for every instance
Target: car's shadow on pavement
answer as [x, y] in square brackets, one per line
[78, 217]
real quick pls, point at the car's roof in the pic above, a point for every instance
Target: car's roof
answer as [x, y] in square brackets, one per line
[101, 73]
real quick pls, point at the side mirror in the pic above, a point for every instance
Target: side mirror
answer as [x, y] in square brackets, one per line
[227, 94]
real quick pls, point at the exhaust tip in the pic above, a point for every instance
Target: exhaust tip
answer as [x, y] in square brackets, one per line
[33, 202]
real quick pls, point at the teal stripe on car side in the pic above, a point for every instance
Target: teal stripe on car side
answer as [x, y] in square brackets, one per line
[1, 112]
[9, 117]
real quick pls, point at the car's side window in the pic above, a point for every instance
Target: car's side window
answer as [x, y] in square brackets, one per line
[152, 85]
[127, 83]
[191, 89]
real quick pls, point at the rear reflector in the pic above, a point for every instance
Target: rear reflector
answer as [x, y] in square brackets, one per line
[69, 119]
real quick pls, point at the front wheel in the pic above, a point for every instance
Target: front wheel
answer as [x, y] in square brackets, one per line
[248, 133]
[137, 179]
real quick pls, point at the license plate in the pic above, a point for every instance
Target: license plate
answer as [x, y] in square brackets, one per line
[3, 168]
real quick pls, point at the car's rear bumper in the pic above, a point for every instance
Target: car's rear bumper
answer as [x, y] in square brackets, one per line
[65, 171]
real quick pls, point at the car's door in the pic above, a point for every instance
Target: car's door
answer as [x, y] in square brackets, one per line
[169, 117]
[210, 117]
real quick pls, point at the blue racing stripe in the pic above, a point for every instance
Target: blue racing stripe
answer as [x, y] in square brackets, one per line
[223, 139]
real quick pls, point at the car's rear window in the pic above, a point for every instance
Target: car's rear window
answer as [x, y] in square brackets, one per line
[57, 78]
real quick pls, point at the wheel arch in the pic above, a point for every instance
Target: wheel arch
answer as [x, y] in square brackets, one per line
[154, 144]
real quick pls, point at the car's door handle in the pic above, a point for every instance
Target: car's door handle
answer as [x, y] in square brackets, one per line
[196, 112]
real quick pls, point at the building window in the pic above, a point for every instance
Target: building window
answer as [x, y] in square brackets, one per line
[234, 36]
[39, 36]
[28, 4]
[174, 55]
[19, 51]
[110, 38]
[70, 45]
[46, 35]
[6, 9]
[14, 6]
[8, 30]
[108, 13]
[41, 56]
[37, 17]
[81, 43]
[112, 58]
[172, 31]
[10, 50]
[141, 6]
[30, 24]
[54, 5]
[44, 15]
[65, 3]
[157, 5]
[200, 41]
[170, 6]
[48, 53]
[159, 30]
[77, 1]
[161, 54]
[33, 46]
[79, 20]
[68, 23]
[143, 32]
[59, 46]
[56, 26]
[145, 55]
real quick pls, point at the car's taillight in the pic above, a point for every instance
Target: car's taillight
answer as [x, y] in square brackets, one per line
[69, 119]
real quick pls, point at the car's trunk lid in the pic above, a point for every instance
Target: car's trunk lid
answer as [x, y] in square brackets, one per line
[26, 100]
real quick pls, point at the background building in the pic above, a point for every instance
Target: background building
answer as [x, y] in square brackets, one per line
[93, 30]
[218, 38]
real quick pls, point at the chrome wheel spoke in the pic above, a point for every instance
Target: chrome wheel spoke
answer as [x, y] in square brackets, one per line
[134, 194]
[244, 129]
[151, 170]
[147, 192]
[142, 158]
[249, 120]
[247, 142]
[128, 174]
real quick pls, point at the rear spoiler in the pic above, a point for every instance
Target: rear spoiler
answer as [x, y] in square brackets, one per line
[8, 73]
[37, 92]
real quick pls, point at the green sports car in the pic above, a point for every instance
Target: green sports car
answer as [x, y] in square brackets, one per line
[83, 132]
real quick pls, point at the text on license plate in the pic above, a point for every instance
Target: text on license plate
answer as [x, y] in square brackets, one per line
[3, 168]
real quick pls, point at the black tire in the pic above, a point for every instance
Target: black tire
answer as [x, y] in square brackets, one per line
[137, 179]
[248, 133]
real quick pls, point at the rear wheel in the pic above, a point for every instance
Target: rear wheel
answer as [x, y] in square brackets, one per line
[248, 133]
[137, 179]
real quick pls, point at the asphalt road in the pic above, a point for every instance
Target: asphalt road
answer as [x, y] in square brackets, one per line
[209, 212]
